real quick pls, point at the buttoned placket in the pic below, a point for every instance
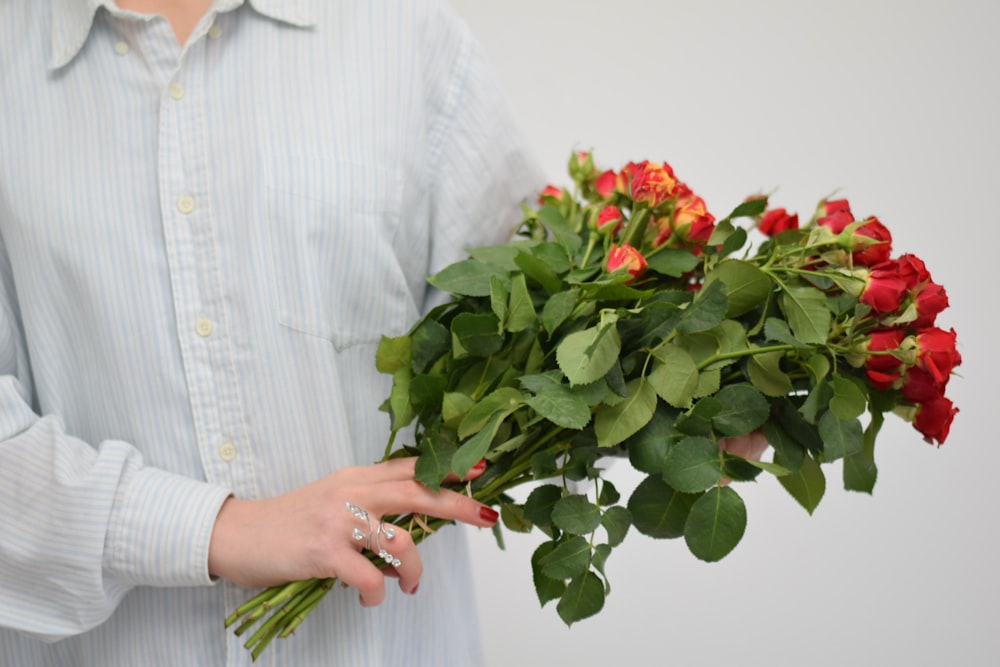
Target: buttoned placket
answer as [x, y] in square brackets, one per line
[190, 229]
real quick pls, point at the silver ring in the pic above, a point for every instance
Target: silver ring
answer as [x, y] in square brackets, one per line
[389, 532]
[357, 534]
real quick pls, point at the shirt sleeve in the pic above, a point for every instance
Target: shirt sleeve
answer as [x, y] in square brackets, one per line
[82, 524]
[481, 166]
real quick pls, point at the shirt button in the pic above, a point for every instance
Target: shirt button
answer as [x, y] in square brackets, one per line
[176, 90]
[204, 327]
[214, 32]
[121, 48]
[227, 451]
[185, 204]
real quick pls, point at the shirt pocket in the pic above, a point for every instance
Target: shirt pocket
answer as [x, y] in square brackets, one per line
[330, 228]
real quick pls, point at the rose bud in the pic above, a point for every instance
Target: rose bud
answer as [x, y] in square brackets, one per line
[628, 258]
[882, 367]
[778, 220]
[930, 300]
[836, 215]
[550, 195]
[872, 253]
[609, 221]
[581, 166]
[934, 417]
[606, 184]
[884, 290]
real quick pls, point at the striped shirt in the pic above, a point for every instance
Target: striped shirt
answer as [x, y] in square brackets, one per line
[200, 247]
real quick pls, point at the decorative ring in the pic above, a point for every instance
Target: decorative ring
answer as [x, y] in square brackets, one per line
[358, 534]
[389, 532]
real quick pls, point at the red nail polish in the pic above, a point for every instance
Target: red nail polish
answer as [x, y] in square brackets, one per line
[479, 466]
[488, 514]
[414, 591]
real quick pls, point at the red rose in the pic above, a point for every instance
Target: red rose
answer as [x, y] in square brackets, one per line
[876, 253]
[884, 290]
[934, 419]
[628, 258]
[778, 220]
[836, 215]
[920, 386]
[832, 206]
[912, 270]
[610, 220]
[653, 183]
[937, 354]
[930, 300]
[884, 368]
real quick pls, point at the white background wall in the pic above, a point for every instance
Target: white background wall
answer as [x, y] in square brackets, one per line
[895, 104]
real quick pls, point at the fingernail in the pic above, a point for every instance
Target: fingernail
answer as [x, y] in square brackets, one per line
[414, 591]
[488, 514]
[479, 466]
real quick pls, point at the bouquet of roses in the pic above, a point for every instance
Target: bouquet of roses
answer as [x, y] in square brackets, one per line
[624, 320]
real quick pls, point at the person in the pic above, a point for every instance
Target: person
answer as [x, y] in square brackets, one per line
[210, 213]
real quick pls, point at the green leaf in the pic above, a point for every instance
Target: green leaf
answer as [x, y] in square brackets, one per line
[648, 448]
[474, 449]
[586, 356]
[401, 410]
[561, 230]
[505, 400]
[392, 354]
[576, 515]
[674, 376]
[673, 262]
[848, 401]
[561, 406]
[557, 308]
[454, 407]
[707, 311]
[744, 409]
[609, 494]
[476, 334]
[546, 587]
[499, 296]
[777, 330]
[431, 340]
[541, 500]
[766, 374]
[434, 463]
[616, 522]
[816, 402]
[749, 209]
[427, 391]
[807, 314]
[746, 286]
[513, 518]
[468, 277]
[540, 271]
[790, 451]
[615, 424]
[584, 597]
[570, 558]
[698, 420]
[841, 437]
[693, 464]
[807, 485]
[658, 510]
[716, 524]
[860, 471]
[521, 312]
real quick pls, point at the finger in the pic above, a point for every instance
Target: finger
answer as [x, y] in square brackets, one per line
[387, 471]
[401, 557]
[412, 497]
[358, 572]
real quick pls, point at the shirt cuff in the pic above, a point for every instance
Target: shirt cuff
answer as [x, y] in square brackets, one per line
[161, 527]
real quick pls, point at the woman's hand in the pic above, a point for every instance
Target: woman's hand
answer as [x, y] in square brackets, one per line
[312, 532]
